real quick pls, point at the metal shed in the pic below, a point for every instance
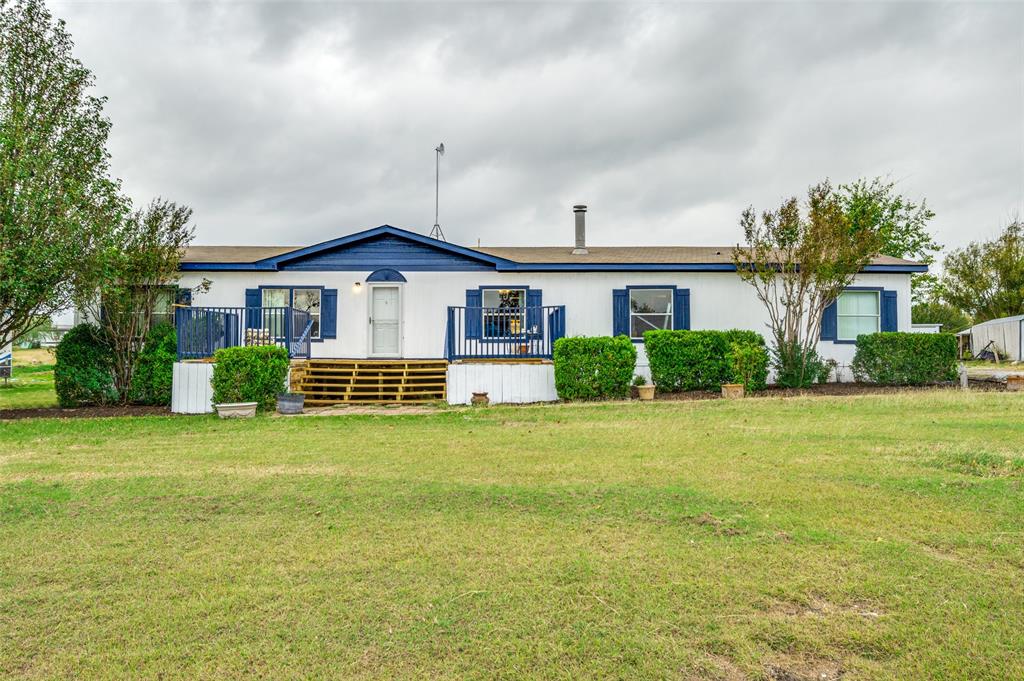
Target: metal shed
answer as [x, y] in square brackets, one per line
[1006, 334]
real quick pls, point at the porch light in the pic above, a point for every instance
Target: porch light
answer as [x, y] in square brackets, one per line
[357, 287]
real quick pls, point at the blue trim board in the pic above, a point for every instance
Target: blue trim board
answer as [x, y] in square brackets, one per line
[386, 274]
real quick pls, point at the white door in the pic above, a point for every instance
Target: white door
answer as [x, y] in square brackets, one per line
[385, 321]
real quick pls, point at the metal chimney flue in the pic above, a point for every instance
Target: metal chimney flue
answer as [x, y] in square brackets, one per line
[581, 230]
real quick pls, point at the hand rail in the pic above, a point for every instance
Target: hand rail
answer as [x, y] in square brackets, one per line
[503, 332]
[204, 330]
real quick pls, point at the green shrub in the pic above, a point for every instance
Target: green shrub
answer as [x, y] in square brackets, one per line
[594, 368]
[795, 369]
[251, 374]
[83, 375]
[891, 358]
[697, 360]
[151, 381]
[749, 363]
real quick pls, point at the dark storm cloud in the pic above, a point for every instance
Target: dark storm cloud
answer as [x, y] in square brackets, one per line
[297, 122]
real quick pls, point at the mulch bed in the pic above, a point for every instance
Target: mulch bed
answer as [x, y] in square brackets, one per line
[82, 412]
[834, 389]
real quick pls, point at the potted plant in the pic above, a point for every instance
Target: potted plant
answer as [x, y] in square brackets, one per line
[644, 390]
[290, 403]
[480, 400]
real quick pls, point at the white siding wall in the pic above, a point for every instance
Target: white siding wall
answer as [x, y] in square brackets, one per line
[718, 300]
[503, 383]
[191, 389]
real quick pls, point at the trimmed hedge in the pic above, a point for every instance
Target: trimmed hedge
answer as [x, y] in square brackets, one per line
[703, 360]
[249, 374]
[83, 375]
[896, 358]
[594, 368]
[154, 369]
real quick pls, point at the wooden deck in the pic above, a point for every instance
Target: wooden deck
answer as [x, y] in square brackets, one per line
[327, 382]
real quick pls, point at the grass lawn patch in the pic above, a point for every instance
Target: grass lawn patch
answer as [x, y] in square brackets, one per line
[32, 384]
[869, 537]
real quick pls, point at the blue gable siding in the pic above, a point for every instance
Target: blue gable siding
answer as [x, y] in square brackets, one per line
[385, 251]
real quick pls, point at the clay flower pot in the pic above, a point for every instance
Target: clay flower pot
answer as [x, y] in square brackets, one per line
[645, 392]
[732, 391]
[480, 400]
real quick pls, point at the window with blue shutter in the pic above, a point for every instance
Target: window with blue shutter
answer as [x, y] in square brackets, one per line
[681, 309]
[329, 313]
[474, 312]
[620, 312]
[859, 310]
[253, 299]
[829, 322]
[534, 323]
[889, 313]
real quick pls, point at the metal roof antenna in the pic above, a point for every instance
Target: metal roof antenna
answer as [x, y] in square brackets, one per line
[435, 231]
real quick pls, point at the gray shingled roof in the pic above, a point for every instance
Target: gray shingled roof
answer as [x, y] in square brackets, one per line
[598, 255]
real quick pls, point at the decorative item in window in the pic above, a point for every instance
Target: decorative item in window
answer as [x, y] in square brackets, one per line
[504, 313]
[649, 309]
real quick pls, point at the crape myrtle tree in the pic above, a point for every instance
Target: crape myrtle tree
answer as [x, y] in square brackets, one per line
[901, 223]
[986, 279]
[798, 262]
[135, 267]
[57, 201]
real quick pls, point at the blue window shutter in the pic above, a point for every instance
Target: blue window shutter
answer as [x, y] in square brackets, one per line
[889, 320]
[681, 309]
[533, 319]
[474, 313]
[830, 323]
[620, 312]
[253, 299]
[329, 313]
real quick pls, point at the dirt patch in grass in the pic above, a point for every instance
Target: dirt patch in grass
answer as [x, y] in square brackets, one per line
[82, 412]
[820, 607]
[790, 668]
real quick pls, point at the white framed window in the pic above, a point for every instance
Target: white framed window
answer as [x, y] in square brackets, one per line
[650, 309]
[504, 313]
[306, 299]
[857, 312]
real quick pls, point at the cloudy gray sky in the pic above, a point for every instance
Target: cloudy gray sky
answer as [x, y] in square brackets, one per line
[292, 123]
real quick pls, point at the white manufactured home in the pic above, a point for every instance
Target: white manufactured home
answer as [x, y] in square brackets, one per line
[390, 302]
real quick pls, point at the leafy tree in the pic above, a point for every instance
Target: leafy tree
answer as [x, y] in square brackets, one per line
[135, 267]
[57, 200]
[986, 279]
[937, 312]
[901, 223]
[798, 264]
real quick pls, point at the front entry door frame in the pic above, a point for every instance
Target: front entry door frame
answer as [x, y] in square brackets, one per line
[369, 319]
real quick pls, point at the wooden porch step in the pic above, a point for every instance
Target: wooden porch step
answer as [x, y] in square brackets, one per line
[359, 381]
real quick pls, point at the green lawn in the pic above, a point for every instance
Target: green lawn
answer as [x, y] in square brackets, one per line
[32, 383]
[873, 537]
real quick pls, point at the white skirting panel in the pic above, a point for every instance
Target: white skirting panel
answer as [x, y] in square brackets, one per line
[503, 383]
[192, 389]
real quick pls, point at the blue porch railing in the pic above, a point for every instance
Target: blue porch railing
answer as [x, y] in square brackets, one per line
[502, 332]
[204, 330]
